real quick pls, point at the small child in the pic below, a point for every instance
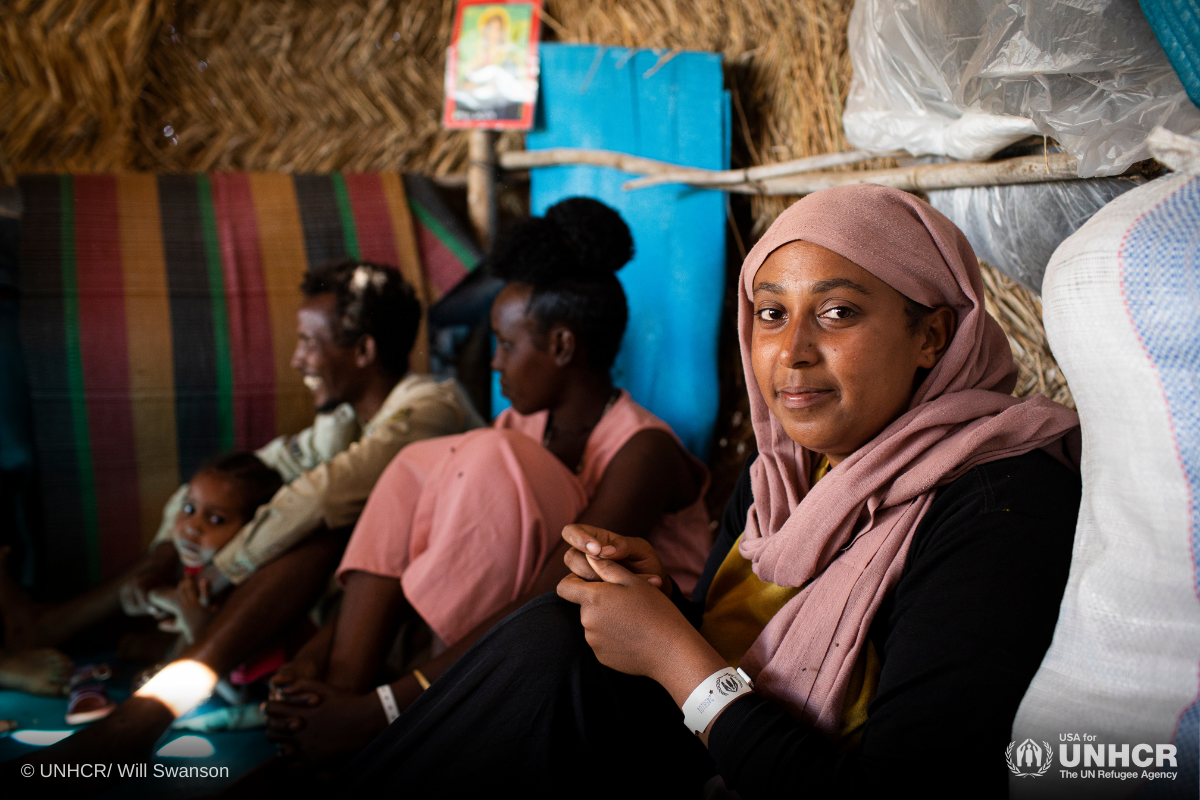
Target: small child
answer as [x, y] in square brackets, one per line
[221, 497]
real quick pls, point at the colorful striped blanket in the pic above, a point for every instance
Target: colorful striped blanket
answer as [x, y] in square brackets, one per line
[158, 320]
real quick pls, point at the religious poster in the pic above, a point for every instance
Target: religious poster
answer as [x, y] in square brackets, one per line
[492, 65]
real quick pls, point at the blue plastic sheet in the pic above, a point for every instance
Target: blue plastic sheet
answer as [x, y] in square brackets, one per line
[1176, 25]
[671, 108]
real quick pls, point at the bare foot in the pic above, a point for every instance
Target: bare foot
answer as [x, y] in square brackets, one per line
[19, 611]
[44, 671]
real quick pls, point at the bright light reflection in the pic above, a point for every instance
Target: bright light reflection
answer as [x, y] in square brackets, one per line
[180, 686]
[40, 738]
[187, 747]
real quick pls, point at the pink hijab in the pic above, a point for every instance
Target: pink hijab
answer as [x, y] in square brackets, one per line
[961, 416]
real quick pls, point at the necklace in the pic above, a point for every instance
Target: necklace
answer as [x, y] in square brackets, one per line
[551, 430]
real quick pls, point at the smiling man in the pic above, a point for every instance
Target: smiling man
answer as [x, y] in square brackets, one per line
[355, 329]
[354, 332]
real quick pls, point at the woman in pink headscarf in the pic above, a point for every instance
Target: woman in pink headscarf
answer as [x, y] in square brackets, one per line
[887, 576]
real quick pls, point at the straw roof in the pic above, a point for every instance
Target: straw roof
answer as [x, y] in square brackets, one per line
[324, 85]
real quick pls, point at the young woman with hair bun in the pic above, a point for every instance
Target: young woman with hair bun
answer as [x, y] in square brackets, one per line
[464, 529]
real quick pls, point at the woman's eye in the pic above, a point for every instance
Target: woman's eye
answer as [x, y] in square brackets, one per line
[838, 313]
[216, 520]
[769, 314]
[189, 509]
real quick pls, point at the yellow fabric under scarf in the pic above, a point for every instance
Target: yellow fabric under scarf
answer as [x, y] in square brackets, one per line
[739, 605]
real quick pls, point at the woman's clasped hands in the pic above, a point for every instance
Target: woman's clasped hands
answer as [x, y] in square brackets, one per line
[309, 718]
[630, 622]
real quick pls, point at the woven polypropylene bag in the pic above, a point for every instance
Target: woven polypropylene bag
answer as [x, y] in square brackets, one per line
[1121, 300]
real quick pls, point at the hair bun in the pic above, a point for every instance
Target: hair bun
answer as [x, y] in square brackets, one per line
[569, 259]
[578, 239]
[599, 237]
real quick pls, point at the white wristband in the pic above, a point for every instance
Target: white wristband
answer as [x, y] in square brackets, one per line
[713, 694]
[388, 701]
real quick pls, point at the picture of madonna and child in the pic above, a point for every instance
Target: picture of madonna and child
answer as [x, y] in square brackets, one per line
[493, 76]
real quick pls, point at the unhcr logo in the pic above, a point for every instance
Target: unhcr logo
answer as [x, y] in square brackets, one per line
[1031, 761]
[728, 684]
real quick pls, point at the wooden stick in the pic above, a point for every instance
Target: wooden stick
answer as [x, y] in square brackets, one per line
[666, 172]
[565, 156]
[704, 177]
[455, 180]
[458, 180]
[798, 177]
[769, 181]
[1025, 169]
[481, 185]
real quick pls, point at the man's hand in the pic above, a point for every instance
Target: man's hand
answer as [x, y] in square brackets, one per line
[165, 604]
[316, 722]
[135, 600]
[194, 607]
[636, 555]
[156, 569]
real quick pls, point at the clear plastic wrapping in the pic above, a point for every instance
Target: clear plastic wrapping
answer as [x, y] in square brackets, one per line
[1017, 228]
[965, 78]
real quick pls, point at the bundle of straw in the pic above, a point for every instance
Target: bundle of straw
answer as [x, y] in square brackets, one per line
[1019, 312]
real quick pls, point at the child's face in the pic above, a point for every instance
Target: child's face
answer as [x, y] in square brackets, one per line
[210, 516]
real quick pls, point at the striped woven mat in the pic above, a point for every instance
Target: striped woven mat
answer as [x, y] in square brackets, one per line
[158, 321]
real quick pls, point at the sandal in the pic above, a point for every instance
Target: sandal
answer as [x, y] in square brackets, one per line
[89, 700]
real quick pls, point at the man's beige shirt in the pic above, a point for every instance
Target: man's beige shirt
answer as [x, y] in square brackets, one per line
[330, 468]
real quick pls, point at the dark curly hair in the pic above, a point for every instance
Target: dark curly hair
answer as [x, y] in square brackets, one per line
[570, 258]
[374, 300]
[258, 481]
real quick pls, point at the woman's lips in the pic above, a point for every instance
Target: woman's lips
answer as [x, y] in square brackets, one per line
[802, 396]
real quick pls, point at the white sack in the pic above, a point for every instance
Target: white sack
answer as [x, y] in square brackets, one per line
[1121, 300]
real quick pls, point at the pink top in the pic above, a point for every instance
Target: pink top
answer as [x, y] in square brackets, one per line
[466, 523]
[682, 539]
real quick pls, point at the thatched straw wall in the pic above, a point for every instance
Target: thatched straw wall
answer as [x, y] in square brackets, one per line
[320, 85]
[336, 85]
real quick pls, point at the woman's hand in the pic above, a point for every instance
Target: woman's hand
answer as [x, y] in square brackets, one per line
[293, 671]
[636, 555]
[634, 628]
[314, 721]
